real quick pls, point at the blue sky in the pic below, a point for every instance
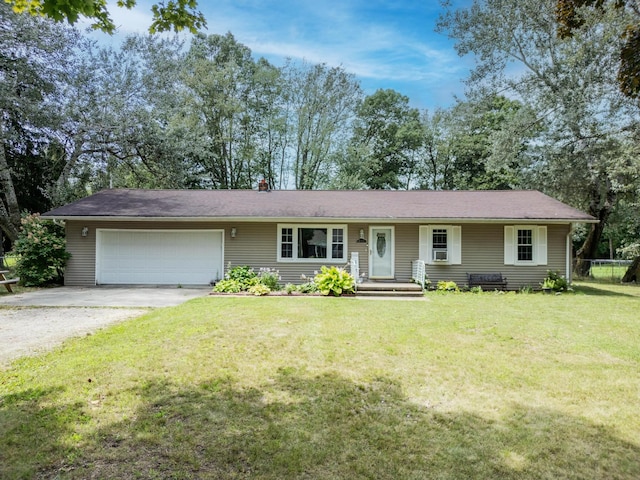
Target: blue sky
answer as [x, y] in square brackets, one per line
[385, 44]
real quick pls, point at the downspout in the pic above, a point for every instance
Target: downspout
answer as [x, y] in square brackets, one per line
[569, 254]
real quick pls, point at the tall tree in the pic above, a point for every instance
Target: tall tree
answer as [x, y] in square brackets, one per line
[476, 144]
[585, 154]
[386, 135]
[113, 135]
[322, 101]
[35, 59]
[221, 77]
[270, 116]
[476, 127]
[436, 165]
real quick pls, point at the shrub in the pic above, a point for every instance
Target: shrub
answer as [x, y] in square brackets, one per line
[259, 289]
[228, 286]
[555, 282]
[477, 289]
[447, 286]
[334, 281]
[244, 275]
[307, 287]
[270, 278]
[244, 279]
[290, 288]
[40, 248]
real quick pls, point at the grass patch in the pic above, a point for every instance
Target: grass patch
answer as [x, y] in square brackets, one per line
[462, 386]
[608, 273]
[10, 261]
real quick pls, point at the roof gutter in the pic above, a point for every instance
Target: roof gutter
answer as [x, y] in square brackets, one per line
[366, 220]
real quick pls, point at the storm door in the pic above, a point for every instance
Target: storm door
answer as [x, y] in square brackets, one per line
[381, 252]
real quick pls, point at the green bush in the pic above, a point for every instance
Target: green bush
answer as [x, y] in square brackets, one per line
[259, 289]
[307, 287]
[244, 275]
[447, 286]
[244, 279]
[41, 253]
[555, 282]
[228, 286]
[270, 278]
[334, 281]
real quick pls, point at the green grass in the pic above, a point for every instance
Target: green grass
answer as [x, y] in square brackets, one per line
[10, 261]
[460, 386]
[608, 272]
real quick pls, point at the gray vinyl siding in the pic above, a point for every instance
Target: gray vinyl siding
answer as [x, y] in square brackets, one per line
[406, 250]
[81, 267]
[483, 252]
[256, 245]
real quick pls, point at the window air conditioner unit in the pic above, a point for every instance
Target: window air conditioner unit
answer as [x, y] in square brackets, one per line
[440, 256]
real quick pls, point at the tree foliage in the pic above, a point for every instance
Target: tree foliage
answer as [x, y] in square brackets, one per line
[386, 134]
[174, 15]
[322, 101]
[570, 17]
[221, 77]
[542, 112]
[40, 248]
[583, 150]
[484, 148]
[35, 64]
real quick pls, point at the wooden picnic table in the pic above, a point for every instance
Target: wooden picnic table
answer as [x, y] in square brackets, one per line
[7, 282]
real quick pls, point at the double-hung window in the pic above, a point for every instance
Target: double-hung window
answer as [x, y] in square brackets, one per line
[524, 249]
[441, 244]
[312, 243]
[439, 239]
[525, 245]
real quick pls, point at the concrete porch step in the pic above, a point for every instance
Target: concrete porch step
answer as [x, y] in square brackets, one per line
[389, 289]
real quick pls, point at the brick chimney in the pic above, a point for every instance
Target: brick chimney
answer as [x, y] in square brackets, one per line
[263, 186]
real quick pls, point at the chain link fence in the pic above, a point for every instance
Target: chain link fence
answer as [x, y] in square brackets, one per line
[609, 270]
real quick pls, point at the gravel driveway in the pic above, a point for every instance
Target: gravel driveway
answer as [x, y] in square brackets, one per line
[26, 331]
[40, 320]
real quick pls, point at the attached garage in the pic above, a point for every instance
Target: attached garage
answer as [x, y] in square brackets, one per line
[159, 257]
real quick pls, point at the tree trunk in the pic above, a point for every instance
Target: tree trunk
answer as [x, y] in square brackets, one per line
[9, 211]
[6, 225]
[589, 249]
[633, 272]
[2, 267]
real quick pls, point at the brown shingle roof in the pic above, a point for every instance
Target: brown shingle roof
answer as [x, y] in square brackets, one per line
[382, 205]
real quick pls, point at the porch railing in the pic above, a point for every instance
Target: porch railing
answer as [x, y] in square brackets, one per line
[354, 268]
[418, 272]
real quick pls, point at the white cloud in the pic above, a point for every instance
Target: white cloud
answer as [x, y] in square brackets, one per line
[340, 35]
[136, 20]
[392, 46]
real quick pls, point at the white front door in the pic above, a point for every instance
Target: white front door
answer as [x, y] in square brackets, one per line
[381, 252]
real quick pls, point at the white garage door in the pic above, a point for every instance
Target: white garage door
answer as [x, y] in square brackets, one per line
[159, 257]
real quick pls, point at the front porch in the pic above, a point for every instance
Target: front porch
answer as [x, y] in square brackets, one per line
[389, 288]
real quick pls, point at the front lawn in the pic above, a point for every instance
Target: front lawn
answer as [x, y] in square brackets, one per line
[459, 386]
